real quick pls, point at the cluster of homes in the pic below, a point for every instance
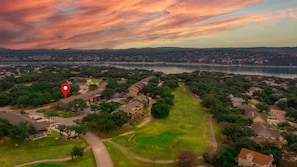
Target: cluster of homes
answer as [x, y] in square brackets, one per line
[43, 125]
[139, 102]
[262, 126]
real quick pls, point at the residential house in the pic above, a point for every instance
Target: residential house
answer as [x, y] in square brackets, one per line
[236, 101]
[254, 102]
[138, 86]
[250, 158]
[266, 131]
[261, 139]
[15, 118]
[136, 107]
[252, 90]
[253, 114]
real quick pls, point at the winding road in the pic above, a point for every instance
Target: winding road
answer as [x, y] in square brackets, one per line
[100, 152]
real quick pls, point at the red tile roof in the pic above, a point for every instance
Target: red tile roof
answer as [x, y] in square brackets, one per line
[259, 158]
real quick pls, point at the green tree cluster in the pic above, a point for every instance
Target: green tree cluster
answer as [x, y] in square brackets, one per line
[292, 142]
[20, 132]
[105, 121]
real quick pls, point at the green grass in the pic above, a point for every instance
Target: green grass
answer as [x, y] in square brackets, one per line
[68, 114]
[121, 160]
[87, 160]
[96, 80]
[46, 148]
[186, 128]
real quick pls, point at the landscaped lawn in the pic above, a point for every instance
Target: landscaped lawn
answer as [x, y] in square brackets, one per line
[121, 160]
[87, 160]
[186, 128]
[46, 148]
[96, 80]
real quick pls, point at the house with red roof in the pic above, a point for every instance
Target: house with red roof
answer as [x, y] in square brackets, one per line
[250, 158]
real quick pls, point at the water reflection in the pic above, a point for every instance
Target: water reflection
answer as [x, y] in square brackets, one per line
[171, 69]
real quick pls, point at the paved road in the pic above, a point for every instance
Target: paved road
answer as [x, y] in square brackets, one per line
[214, 139]
[99, 150]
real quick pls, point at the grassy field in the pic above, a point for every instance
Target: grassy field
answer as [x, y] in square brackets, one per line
[46, 148]
[187, 128]
[96, 80]
[86, 160]
[121, 160]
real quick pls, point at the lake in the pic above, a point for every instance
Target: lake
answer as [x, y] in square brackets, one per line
[174, 69]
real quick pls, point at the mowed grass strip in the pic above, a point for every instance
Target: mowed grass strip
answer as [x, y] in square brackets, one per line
[121, 160]
[186, 128]
[46, 148]
[87, 160]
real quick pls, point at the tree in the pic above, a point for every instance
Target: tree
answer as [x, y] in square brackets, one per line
[93, 87]
[81, 129]
[282, 125]
[291, 112]
[210, 100]
[227, 157]
[172, 84]
[32, 129]
[271, 148]
[262, 107]
[237, 130]
[160, 110]
[291, 138]
[186, 159]
[107, 93]
[4, 127]
[77, 152]
[120, 118]
[78, 104]
[244, 142]
[293, 148]
[106, 125]
[4, 99]
[108, 107]
[18, 133]
[282, 104]
[94, 107]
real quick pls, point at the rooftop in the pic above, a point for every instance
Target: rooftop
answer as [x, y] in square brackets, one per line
[258, 158]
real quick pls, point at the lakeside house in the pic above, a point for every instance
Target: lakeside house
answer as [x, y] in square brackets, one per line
[248, 158]
[15, 118]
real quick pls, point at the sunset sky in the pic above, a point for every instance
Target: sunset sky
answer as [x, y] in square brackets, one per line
[96, 24]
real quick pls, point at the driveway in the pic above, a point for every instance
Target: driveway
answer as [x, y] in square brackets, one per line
[99, 150]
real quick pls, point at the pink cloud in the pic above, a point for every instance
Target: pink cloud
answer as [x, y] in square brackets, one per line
[113, 23]
[293, 13]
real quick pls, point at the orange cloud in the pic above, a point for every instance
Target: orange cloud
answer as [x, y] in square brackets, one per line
[86, 24]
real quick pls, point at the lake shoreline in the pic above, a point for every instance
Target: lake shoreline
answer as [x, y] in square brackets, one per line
[107, 63]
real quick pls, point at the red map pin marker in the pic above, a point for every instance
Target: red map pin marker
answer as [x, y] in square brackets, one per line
[65, 89]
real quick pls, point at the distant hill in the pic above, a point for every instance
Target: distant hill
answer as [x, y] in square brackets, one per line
[283, 56]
